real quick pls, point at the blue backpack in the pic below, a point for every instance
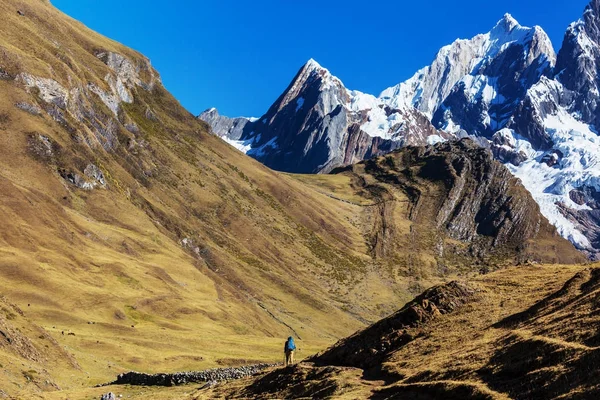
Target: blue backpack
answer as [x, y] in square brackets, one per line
[289, 345]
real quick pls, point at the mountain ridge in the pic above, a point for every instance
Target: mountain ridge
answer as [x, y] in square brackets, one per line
[507, 89]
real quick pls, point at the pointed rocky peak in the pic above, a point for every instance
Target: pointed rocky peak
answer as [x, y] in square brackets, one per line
[311, 80]
[541, 35]
[209, 113]
[539, 45]
[509, 30]
[312, 65]
[222, 126]
[578, 63]
[506, 24]
[501, 54]
[310, 71]
[313, 71]
[585, 29]
[590, 23]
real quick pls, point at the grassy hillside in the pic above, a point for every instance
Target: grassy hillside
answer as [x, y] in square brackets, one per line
[521, 333]
[133, 239]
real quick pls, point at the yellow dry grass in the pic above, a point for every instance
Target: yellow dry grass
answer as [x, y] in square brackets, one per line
[522, 321]
[103, 277]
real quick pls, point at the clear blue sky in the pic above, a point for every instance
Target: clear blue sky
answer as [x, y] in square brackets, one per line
[239, 56]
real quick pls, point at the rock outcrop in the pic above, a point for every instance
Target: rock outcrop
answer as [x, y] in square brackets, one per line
[74, 106]
[368, 348]
[555, 126]
[577, 66]
[509, 338]
[459, 191]
[189, 233]
[227, 128]
[474, 85]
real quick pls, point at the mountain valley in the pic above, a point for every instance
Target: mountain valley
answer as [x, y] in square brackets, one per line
[134, 238]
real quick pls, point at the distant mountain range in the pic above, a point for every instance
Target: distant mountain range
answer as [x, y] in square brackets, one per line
[536, 110]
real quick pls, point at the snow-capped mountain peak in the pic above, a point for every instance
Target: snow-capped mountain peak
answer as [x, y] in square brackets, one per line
[579, 60]
[488, 69]
[506, 24]
[317, 124]
[312, 77]
[313, 65]
[558, 120]
[591, 13]
[508, 32]
[312, 70]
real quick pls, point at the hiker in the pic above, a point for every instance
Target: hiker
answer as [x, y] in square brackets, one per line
[289, 351]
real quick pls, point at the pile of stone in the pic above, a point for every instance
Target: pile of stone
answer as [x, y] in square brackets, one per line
[182, 378]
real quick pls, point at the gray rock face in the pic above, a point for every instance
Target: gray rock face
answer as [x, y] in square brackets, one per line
[4, 75]
[472, 84]
[108, 396]
[42, 147]
[93, 172]
[503, 148]
[29, 108]
[482, 101]
[484, 204]
[73, 106]
[578, 63]
[231, 128]
[49, 90]
[587, 220]
[558, 117]
[541, 100]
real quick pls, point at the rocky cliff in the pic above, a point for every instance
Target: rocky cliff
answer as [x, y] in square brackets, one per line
[462, 194]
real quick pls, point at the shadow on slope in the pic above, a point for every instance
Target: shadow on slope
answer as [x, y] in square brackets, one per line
[552, 349]
[488, 348]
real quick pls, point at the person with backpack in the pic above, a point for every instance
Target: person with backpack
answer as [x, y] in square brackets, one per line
[288, 349]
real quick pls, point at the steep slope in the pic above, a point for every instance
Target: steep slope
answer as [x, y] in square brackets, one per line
[136, 240]
[370, 347]
[455, 192]
[578, 60]
[126, 224]
[227, 128]
[317, 124]
[553, 131]
[539, 120]
[520, 333]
